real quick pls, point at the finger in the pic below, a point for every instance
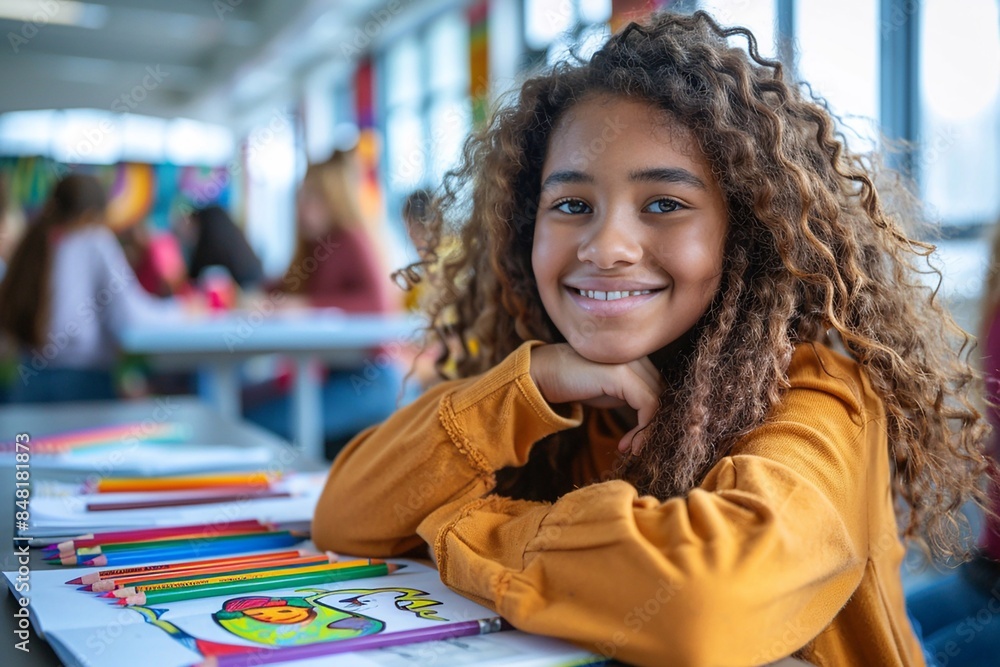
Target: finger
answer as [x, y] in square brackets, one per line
[645, 369]
[642, 398]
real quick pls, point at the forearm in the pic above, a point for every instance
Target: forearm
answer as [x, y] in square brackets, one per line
[712, 579]
[442, 449]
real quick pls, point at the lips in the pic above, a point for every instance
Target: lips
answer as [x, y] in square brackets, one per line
[611, 295]
[611, 302]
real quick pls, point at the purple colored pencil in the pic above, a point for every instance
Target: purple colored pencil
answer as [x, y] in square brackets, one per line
[382, 640]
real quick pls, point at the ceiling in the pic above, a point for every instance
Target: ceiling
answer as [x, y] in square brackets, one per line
[213, 60]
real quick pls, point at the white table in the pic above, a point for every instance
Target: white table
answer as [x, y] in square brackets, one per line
[217, 344]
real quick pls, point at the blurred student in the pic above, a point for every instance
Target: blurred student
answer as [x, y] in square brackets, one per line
[219, 242]
[67, 294]
[336, 264]
[157, 260]
[11, 226]
[959, 614]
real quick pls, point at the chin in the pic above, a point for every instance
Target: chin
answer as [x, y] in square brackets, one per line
[608, 354]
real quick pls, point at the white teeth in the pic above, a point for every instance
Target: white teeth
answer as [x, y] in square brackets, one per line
[610, 296]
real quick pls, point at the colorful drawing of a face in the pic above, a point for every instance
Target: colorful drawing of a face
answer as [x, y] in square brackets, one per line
[290, 621]
[270, 610]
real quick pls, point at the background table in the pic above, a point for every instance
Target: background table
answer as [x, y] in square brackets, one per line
[219, 344]
[206, 425]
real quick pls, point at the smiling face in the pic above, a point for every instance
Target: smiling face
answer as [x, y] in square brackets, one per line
[630, 230]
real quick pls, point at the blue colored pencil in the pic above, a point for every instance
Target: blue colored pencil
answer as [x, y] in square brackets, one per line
[142, 556]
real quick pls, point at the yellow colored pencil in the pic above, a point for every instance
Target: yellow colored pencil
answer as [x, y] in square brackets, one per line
[247, 576]
[218, 570]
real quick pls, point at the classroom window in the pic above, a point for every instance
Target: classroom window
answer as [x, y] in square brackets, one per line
[846, 78]
[546, 20]
[759, 16]
[427, 105]
[959, 143]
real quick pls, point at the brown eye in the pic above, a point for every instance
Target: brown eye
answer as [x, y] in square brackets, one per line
[572, 207]
[663, 206]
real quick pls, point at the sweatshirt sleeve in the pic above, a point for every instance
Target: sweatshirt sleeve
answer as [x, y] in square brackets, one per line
[440, 450]
[745, 569]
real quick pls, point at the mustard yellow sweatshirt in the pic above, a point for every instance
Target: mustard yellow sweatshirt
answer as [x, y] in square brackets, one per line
[789, 542]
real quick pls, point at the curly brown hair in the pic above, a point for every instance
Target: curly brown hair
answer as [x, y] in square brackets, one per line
[810, 250]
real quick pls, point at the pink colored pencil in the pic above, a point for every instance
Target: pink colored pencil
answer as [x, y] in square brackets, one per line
[116, 536]
[202, 499]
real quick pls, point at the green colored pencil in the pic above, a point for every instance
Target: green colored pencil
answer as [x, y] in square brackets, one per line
[264, 584]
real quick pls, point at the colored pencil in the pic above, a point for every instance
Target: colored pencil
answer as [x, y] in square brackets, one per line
[153, 548]
[247, 575]
[192, 551]
[180, 501]
[267, 583]
[166, 543]
[161, 568]
[364, 643]
[184, 482]
[111, 537]
[121, 582]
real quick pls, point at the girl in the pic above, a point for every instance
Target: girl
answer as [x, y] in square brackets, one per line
[336, 261]
[657, 451]
[336, 265]
[67, 295]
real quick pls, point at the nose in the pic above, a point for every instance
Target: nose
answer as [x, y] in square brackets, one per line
[612, 238]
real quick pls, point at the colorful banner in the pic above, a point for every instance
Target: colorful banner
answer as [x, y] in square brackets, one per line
[136, 191]
[368, 141]
[479, 63]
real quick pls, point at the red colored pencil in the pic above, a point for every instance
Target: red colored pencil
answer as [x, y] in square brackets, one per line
[117, 536]
[91, 577]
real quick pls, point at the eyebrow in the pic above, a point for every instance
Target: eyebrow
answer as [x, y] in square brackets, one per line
[566, 176]
[654, 175]
[667, 175]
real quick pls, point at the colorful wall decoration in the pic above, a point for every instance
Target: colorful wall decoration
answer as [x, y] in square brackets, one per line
[155, 193]
[368, 140]
[479, 64]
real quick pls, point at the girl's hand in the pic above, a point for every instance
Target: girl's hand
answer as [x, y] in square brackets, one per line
[563, 376]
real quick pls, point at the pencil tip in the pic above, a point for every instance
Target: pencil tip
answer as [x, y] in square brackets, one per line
[78, 580]
[87, 587]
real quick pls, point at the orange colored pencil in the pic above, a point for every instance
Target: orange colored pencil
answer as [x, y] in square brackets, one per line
[91, 577]
[183, 482]
[119, 582]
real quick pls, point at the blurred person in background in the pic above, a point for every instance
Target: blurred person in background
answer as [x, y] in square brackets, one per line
[67, 294]
[959, 614]
[157, 260]
[336, 264]
[219, 242]
[11, 226]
